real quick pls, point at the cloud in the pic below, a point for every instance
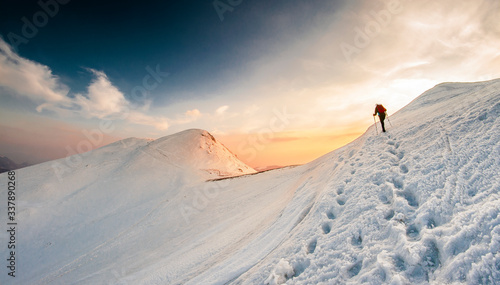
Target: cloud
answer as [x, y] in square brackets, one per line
[220, 111]
[188, 117]
[195, 113]
[28, 78]
[102, 100]
[160, 123]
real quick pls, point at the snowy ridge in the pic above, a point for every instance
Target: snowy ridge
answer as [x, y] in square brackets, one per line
[418, 204]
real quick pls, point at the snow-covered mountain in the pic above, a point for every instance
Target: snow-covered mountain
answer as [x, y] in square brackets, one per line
[6, 164]
[199, 150]
[419, 204]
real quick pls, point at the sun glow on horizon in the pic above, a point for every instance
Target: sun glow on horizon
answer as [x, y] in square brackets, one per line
[260, 150]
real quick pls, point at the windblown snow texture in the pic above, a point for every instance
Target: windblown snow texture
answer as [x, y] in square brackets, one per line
[419, 204]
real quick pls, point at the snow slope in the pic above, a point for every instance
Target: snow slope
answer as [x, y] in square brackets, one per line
[418, 204]
[73, 212]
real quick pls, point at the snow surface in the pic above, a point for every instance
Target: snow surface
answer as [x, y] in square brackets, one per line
[419, 204]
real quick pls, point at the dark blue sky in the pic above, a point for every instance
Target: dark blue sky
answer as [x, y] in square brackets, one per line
[185, 38]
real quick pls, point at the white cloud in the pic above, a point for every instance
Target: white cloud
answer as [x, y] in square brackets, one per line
[220, 111]
[195, 113]
[35, 81]
[102, 98]
[28, 78]
[188, 117]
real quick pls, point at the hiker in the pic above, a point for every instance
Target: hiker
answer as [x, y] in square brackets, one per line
[381, 114]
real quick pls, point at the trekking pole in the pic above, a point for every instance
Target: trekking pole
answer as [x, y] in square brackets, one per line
[376, 129]
[388, 119]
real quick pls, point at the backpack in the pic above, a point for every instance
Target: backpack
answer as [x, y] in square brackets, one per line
[381, 109]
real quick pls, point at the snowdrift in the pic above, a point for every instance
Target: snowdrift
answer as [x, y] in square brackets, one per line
[418, 204]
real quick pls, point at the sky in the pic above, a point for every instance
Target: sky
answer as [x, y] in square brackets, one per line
[278, 82]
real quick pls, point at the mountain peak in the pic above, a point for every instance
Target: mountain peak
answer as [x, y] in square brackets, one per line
[7, 164]
[197, 149]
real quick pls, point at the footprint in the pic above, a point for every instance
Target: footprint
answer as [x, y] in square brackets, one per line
[351, 153]
[341, 200]
[482, 117]
[311, 247]
[356, 240]
[392, 151]
[326, 228]
[400, 155]
[410, 198]
[385, 195]
[412, 232]
[430, 259]
[431, 223]
[389, 215]
[384, 199]
[399, 263]
[429, 262]
[340, 190]
[403, 168]
[330, 215]
[355, 269]
[398, 182]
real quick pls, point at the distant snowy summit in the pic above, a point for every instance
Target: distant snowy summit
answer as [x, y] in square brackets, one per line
[198, 149]
[187, 155]
[7, 164]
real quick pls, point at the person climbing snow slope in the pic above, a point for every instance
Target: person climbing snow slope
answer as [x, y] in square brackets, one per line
[381, 111]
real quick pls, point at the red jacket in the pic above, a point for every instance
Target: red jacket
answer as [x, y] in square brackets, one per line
[379, 109]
